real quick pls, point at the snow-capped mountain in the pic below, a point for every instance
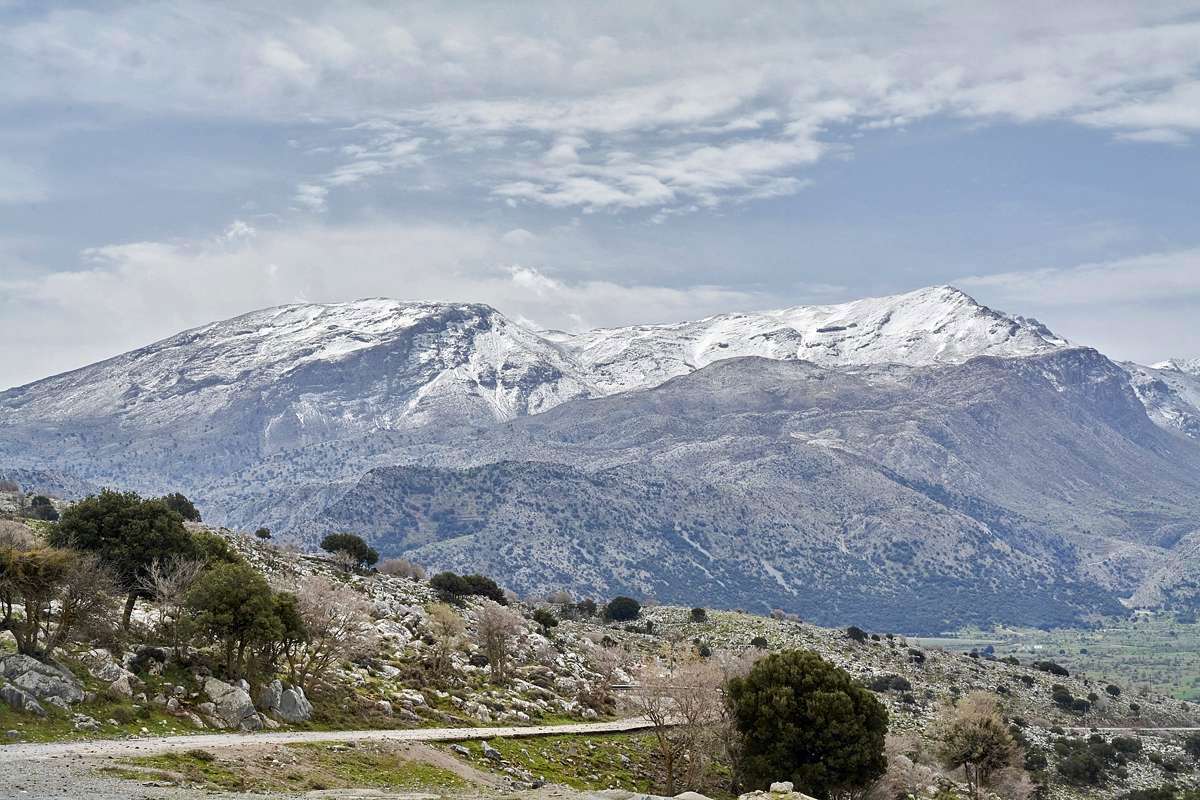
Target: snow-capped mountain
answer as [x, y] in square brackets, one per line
[310, 371]
[936, 325]
[766, 451]
[313, 372]
[1170, 391]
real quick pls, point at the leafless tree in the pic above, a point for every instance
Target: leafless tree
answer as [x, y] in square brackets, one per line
[447, 628]
[402, 568]
[16, 536]
[167, 582]
[337, 625]
[497, 627]
[684, 708]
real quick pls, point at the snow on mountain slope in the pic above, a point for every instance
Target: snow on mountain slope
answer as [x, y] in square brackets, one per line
[935, 325]
[1170, 391]
[374, 362]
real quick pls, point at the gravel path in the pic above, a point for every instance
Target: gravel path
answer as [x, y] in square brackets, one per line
[67, 770]
[163, 744]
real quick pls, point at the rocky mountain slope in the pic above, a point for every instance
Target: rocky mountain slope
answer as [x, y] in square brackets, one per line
[996, 490]
[851, 461]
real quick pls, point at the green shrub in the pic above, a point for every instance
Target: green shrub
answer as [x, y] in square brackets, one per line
[622, 609]
[353, 547]
[806, 720]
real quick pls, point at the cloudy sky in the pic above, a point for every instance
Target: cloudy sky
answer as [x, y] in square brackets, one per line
[166, 164]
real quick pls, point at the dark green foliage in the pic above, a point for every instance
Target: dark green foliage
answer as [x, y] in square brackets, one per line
[545, 619]
[1191, 745]
[760, 642]
[622, 609]
[454, 587]
[916, 656]
[1159, 793]
[1016, 662]
[883, 683]
[1051, 667]
[1035, 760]
[856, 633]
[127, 533]
[1088, 762]
[353, 546]
[1113, 690]
[182, 506]
[587, 608]
[40, 507]
[1127, 744]
[234, 606]
[704, 650]
[263, 533]
[214, 548]
[699, 615]
[805, 720]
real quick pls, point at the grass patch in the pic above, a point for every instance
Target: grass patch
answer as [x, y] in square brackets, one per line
[296, 768]
[608, 761]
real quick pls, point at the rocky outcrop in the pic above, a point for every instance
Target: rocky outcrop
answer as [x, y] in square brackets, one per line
[39, 682]
[21, 701]
[288, 703]
[231, 706]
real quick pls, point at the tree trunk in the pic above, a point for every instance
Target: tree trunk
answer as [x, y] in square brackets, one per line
[129, 603]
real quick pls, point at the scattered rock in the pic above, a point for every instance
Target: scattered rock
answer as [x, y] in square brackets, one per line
[491, 753]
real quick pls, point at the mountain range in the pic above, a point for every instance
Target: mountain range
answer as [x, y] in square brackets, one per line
[914, 462]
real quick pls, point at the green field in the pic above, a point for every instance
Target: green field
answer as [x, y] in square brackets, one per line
[1145, 651]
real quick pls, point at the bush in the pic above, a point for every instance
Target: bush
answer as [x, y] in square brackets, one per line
[622, 609]
[545, 619]
[856, 633]
[883, 683]
[182, 506]
[1127, 744]
[699, 615]
[40, 507]
[455, 587]
[1051, 667]
[351, 547]
[806, 720]
[587, 608]
[760, 642]
[263, 533]
[1113, 690]
[1191, 745]
[402, 568]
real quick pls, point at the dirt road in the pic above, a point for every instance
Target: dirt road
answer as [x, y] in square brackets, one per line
[161, 744]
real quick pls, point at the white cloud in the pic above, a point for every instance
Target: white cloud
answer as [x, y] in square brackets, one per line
[1167, 276]
[634, 108]
[153, 289]
[1141, 308]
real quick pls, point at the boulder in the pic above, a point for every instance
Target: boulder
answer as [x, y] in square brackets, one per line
[232, 704]
[782, 787]
[21, 700]
[294, 706]
[270, 695]
[44, 681]
[491, 753]
[82, 722]
[121, 689]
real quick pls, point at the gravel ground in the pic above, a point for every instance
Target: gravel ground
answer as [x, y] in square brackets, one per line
[69, 770]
